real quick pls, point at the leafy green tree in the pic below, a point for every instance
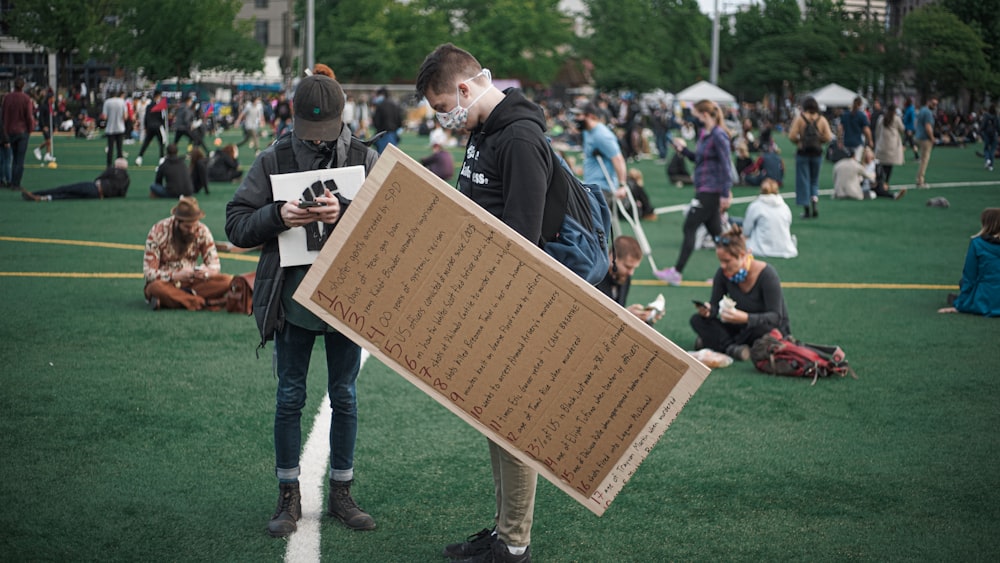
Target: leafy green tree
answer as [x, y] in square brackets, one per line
[645, 44]
[523, 39]
[376, 41]
[170, 38]
[947, 54]
[984, 18]
[63, 27]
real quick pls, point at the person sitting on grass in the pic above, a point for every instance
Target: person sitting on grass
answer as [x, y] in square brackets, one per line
[979, 290]
[768, 222]
[767, 165]
[755, 303]
[638, 188]
[618, 281]
[224, 166]
[113, 182]
[172, 177]
[174, 280]
[858, 180]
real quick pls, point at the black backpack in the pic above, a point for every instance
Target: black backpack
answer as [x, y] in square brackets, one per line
[810, 140]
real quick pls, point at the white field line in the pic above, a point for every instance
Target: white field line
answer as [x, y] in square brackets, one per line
[303, 545]
[789, 195]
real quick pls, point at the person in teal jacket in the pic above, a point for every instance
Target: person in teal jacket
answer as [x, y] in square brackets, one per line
[979, 290]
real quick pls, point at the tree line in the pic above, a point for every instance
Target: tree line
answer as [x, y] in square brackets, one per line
[769, 49]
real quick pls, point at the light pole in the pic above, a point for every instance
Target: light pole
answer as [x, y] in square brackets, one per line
[714, 73]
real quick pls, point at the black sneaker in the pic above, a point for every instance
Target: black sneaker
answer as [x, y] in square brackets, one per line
[499, 553]
[476, 544]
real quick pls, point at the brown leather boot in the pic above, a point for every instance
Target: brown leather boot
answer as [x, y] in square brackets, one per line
[343, 507]
[288, 512]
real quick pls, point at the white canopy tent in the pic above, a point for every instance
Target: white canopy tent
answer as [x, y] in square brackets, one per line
[705, 91]
[834, 95]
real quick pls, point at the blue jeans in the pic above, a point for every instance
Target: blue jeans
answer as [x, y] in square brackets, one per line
[989, 149]
[389, 138]
[292, 349]
[806, 178]
[6, 163]
[19, 148]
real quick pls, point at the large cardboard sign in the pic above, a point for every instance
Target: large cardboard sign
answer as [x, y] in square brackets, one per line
[495, 330]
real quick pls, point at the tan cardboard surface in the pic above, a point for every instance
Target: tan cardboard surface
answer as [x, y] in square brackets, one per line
[499, 333]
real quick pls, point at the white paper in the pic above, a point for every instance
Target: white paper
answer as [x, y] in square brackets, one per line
[293, 243]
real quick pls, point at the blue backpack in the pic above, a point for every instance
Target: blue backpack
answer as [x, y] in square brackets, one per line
[576, 223]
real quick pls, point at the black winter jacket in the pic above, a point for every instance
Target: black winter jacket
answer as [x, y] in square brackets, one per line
[253, 218]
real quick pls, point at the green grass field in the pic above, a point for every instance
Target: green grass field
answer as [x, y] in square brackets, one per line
[132, 435]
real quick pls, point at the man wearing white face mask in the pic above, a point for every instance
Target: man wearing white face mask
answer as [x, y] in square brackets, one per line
[507, 170]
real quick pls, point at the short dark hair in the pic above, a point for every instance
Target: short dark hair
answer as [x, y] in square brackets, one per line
[627, 247]
[441, 66]
[809, 104]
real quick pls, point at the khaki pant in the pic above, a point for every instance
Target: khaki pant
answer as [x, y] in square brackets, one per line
[926, 146]
[192, 296]
[515, 485]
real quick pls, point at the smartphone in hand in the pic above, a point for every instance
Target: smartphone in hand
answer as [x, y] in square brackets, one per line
[308, 204]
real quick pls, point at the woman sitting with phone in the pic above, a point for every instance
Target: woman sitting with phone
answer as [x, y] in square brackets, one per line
[746, 302]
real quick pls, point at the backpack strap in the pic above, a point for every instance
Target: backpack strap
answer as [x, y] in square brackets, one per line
[556, 201]
[284, 154]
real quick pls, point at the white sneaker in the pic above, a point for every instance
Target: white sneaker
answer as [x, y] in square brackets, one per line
[138, 161]
[49, 157]
[38, 153]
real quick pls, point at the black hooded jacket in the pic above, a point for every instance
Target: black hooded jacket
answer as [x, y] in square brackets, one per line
[508, 165]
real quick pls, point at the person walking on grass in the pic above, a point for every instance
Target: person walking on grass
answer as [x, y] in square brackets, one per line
[507, 170]
[318, 140]
[809, 131]
[924, 134]
[712, 181]
[990, 129]
[18, 122]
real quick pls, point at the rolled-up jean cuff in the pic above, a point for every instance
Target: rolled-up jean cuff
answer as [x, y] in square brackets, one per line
[342, 475]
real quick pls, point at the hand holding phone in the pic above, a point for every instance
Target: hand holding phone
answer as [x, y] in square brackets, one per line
[308, 204]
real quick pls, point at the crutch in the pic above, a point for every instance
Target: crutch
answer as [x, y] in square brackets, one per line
[631, 218]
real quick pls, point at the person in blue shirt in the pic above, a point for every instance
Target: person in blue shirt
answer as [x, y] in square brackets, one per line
[600, 142]
[924, 134]
[855, 130]
[979, 290]
[910, 126]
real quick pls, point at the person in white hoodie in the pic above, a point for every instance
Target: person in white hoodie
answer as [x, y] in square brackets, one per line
[768, 222]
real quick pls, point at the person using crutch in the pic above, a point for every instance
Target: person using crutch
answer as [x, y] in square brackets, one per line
[599, 142]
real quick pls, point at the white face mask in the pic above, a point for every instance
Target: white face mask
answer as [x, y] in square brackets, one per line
[457, 117]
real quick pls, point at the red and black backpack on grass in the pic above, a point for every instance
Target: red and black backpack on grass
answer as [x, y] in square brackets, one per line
[782, 355]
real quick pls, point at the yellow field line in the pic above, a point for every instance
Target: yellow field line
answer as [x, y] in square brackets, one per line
[117, 245]
[253, 258]
[80, 275]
